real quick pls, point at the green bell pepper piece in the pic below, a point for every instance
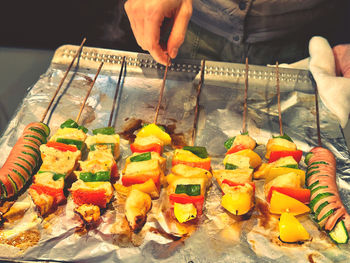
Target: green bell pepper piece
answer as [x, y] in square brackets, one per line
[200, 151]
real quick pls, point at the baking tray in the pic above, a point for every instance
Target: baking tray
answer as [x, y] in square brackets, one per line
[220, 117]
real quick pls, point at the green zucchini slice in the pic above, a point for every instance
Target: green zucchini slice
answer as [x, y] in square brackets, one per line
[339, 234]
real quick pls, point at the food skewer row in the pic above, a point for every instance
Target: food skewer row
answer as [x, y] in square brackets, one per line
[328, 210]
[236, 179]
[93, 189]
[188, 182]
[240, 161]
[284, 182]
[24, 157]
[143, 174]
[60, 158]
[190, 175]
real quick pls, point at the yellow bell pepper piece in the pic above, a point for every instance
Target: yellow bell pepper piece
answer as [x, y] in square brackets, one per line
[279, 144]
[254, 158]
[153, 129]
[188, 156]
[238, 201]
[185, 212]
[238, 160]
[281, 203]
[122, 190]
[147, 187]
[277, 171]
[291, 230]
[263, 170]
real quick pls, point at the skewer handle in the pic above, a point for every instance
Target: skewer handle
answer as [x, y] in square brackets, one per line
[161, 91]
[116, 92]
[62, 80]
[88, 94]
[318, 118]
[196, 111]
[279, 98]
[244, 128]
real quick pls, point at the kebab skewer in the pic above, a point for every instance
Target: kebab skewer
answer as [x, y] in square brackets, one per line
[93, 189]
[326, 206]
[143, 174]
[284, 182]
[60, 158]
[240, 161]
[190, 175]
[24, 157]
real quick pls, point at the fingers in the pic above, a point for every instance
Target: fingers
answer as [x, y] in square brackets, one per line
[146, 18]
[145, 22]
[342, 59]
[178, 32]
[151, 37]
[136, 24]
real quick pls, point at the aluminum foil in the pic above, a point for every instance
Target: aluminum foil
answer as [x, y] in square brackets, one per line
[219, 236]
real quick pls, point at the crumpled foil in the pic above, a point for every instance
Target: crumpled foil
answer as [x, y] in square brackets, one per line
[218, 237]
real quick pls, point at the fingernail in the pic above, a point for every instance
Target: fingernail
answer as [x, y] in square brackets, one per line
[173, 52]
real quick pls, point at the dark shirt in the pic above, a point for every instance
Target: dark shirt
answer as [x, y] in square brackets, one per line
[254, 21]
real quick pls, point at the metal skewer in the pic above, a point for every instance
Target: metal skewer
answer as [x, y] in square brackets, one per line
[161, 91]
[63, 79]
[318, 118]
[279, 98]
[244, 129]
[88, 94]
[196, 111]
[116, 92]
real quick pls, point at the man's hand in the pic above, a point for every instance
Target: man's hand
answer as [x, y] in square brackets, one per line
[146, 18]
[342, 60]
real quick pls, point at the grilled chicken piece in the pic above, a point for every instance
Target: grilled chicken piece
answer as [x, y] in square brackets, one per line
[136, 207]
[46, 178]
[58, 161]
[187, 181]
[69, 133]
[140, 172]
[284, 180]
[154, 156]
[105, 143]
[44, 203]
[189, 171]
[242, 175]
[88, 213]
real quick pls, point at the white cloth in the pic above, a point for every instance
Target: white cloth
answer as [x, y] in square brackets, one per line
[334, 91]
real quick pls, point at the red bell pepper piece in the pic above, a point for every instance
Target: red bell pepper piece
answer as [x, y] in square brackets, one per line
[114, 173]
[236, 148]
[204, 165]
[275, 155]
[153, 147]
[230, 183]
[301, 194]
[197, 201]
[130, 180]
[57, 194]
[94, 197]
[62, 146]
